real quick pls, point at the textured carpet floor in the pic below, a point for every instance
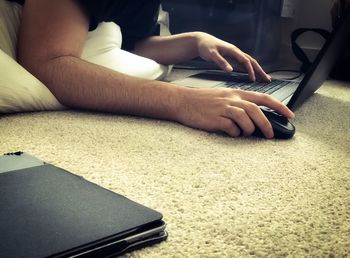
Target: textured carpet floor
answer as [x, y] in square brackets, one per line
[219, 196]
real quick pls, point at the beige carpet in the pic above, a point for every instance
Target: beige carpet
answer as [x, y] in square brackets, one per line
[219, 196]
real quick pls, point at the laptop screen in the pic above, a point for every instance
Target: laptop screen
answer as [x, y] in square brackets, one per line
[324, 62]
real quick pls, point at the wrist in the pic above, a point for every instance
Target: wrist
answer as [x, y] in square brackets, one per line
[170, 102]
[196, 41]
[192, 42]
[181, 105]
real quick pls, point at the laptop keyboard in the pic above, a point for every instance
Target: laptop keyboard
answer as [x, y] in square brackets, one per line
[264, 87]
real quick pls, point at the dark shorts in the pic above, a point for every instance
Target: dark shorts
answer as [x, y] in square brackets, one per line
[136, 18]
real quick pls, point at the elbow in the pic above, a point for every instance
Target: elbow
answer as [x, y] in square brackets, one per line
[50, 72]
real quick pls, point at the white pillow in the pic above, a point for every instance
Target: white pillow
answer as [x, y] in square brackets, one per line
[21, 91]
[103, 45]
[10, 14]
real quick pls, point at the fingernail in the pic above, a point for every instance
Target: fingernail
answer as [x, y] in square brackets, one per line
[270, 135]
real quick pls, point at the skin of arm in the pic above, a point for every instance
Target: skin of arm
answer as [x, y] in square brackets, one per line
[51, 39]
[186, 46]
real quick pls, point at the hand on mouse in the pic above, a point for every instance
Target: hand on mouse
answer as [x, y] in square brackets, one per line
[233, 111]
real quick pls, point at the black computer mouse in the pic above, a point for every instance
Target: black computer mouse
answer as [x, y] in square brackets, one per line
[282, 127]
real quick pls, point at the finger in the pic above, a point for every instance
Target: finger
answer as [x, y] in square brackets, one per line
[221, 62]
[258, 69]
[257, 116]
[228, 126]
[243, 60]
[241, 118]
[262, 99]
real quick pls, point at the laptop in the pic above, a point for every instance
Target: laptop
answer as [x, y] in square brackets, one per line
[47, 211]
[291, 93]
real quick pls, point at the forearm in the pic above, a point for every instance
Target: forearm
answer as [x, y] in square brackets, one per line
[80, 84]
[169, 49]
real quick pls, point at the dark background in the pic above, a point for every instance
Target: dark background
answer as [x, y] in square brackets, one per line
[252, 25]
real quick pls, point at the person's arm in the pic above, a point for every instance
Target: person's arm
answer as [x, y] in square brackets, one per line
[51, 39]
[52, 35]
[185, 46]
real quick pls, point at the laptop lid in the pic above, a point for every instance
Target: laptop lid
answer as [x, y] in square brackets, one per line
[324, 62]
[49, 212]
